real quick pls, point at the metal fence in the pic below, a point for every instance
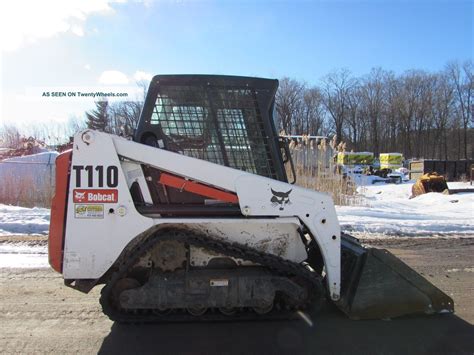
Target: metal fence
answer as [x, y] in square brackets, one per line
[309, 157]
[28, 180]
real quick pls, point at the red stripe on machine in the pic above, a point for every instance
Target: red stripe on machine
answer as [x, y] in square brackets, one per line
[57, 225]
[197, 188]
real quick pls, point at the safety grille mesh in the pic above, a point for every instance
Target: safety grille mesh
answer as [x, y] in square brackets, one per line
[219, 124]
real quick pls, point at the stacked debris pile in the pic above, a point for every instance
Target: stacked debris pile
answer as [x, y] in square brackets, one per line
[26, 146]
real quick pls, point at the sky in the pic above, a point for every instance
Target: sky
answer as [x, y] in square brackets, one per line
[69, 46]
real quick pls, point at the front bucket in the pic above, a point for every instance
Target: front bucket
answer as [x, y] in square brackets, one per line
[376, 285]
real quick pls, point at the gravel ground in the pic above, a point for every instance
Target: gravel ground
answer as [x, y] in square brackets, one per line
[38, 314]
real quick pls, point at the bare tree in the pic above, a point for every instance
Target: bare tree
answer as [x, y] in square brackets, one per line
[355, 118]
[336, 88]
[462, 79]
[312, 115]
[75, 124]
[372, 92]
[288, 103]
[125, 116]
[9, 136]
[442, 106]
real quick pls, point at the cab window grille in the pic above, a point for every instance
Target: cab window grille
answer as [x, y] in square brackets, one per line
[219, 124]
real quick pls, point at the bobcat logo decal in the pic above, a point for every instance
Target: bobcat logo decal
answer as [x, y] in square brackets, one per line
[280, 199]
[79, 196]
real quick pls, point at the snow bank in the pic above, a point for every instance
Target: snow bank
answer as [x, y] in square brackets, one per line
[367, 180]
[23, 256]
[388, 211]
[19, 220]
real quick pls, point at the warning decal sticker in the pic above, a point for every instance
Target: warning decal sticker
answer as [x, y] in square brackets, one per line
[89, 211]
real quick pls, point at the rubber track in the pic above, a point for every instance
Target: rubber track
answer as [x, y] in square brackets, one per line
[276, 264]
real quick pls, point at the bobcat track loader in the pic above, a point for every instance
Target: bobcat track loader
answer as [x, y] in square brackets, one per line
[194, 219]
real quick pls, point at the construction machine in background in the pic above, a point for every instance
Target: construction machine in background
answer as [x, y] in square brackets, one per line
[429, 182]
[194, 219]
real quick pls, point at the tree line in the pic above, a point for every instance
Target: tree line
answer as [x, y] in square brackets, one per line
[120, 118]
[117, 118]
[417, 113]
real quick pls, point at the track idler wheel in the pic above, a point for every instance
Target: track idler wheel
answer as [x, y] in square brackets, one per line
[123, 285]
[228, 311]
[263, 309]
[196, 311]
[161, 311]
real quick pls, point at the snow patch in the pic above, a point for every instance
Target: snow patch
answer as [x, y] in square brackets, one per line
[16, 220]
[466, 269]
[388, 210]
[23, 256]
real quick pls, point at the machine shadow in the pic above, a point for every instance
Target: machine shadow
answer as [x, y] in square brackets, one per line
[331, 332]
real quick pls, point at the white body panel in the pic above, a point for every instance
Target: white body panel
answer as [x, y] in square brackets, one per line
[276, 236]
[93, 244]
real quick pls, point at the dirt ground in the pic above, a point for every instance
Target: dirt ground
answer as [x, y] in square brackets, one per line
[38, 314]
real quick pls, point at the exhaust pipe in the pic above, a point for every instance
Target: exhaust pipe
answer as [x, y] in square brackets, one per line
[377, 285]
